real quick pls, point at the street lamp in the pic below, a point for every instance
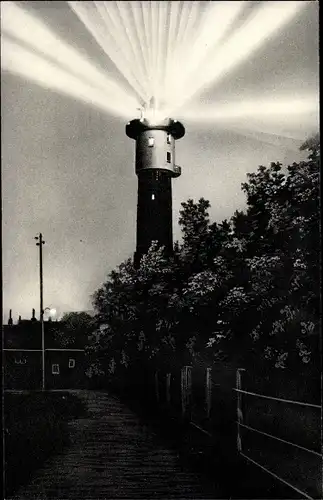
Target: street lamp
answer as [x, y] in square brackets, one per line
[52, 312]
[40, 243]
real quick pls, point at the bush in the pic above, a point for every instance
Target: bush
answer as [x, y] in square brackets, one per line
[35, 427]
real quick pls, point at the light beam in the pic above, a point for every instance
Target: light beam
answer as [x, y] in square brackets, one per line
[29, 32]
[23, 62]
[166, 53]
[208, 38]
[96, 25]
[135, 8]
[253, 108]
[268, 19]
[289, 118]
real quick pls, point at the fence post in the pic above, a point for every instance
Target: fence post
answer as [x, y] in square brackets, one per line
[186, 388]
[157, 386]
[208, 389]
[239, 407]
[168, 380]
[183, 391]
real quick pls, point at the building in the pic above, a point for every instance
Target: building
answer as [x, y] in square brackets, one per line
[65, 363]
[155, 168]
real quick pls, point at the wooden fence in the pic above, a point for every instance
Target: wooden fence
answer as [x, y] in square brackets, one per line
[208, 395]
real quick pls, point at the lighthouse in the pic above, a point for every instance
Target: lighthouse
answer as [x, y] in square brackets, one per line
[155, 168]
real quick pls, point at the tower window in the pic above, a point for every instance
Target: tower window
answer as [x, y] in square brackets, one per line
[151, 142]
[169, 157]
[71, 363]
[152, 196]
[55, 369]
[169, 139]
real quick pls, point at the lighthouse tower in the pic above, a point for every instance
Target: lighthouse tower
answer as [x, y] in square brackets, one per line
[155, 168]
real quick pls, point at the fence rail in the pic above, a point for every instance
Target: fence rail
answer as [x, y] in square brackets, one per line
[238, 389]
[164, 386]
[193, 424]
[289, 401]
[279, 439]
[47, 349]
[276, 477]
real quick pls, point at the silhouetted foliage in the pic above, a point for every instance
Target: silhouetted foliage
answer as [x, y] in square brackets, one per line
[245, 290]
[74, 327]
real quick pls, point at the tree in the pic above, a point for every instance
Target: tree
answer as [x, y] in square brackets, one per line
[312, 144]
[134, 305]
[74, 327]
[246, 289]
[78, 323]
[281, 262]
[194, 223]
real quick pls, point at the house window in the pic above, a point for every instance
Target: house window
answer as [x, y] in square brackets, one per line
[169, 139]
[20, 361]
[55, 369]
[151, 142]
[169, 157]
[71, 363]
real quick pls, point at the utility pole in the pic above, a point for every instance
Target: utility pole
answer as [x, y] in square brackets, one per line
[40, 244]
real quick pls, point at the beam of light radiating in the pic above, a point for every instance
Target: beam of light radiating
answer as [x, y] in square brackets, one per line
[125, 18]
[168, 40]
[291, 143]
[154, 44]
[128, 22]
[184, 17]
[147, 32]
[95, 24]
[164, 22]
[291, 118]
[224, 14]
[253, 108]
[21, 61]
[136, 13]
[173, 56]
[171, 41]
[110, 14]
[290, 128]
[31, 32]
[187, 34]
[165, 50]
[161, 44]
[268, 19]
[192, 12]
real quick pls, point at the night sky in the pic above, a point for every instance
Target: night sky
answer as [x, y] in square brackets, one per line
[68, 168]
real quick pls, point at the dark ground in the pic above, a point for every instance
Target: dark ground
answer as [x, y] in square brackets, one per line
[90, 444]
[35, 427]
[111, 454]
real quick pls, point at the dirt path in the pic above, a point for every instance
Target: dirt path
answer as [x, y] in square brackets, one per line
[113, 455]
